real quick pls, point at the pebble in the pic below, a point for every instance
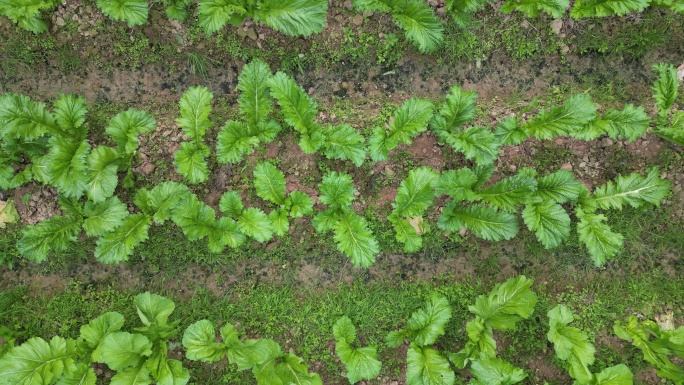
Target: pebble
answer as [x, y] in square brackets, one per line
[357, 20]
[583, 164]
[566, 166]
[607, 142]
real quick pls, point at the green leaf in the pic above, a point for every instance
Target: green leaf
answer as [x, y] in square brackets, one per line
[570, 343]
[70, 112]
[117, 246]
[153, 309]
[125, 127]
[343, 142]
[355, 240]
[674, 132]
[225, 233]
[336, 190]
[103, 217]
[532, 8]
[255, 100]
[164, 198]
[247, 354]
[292, 371]
[410, 119]
[615, 375]
[67, 169]
[602, 8]
[26, 13]
[231, 204]
[427, 324]
[480, 343]
[475, 143]
[372, 5]
[56, 233]
[199, 341]
[494, 371]
[269, 183]
[666, 87]
[360, 363]
[458, 184]
[633, 189]
[195, 217]
[215, 14]
[407, 234]
[195, 106]
[326, 221]
[132, 376]
[560, 187]
[234, 141]
[630, 123]
[563, 120]
[37, 362]
[81, 374]
[600, 240]
[299, 204]
[510, 132]
[507, 303]
[293, 17]
[122, 350]
[425, 366]
[549, 221]
[22, 118]
[96, 330]
[509, 193]
[133, 12]
[298, 109]
[191, 161]
[415, 193]
[457, 110]
[255, 224]
[103, 164]
[422, 27]
[8, 213]
[279, 221]
[484, 222]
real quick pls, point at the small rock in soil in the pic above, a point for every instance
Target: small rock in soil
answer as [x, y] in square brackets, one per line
[357, 20]
[556, 26]
[607, 142]
[566, 166]
[147, 168]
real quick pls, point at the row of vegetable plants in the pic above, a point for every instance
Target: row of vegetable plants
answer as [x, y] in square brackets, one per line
[142, 355]
[56, 145]
[419, 21]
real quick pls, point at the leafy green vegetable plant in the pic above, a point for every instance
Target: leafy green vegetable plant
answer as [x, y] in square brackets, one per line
[410, 119]
[572, 346]
[414, 196]
[291, 17]
[360, 363]
[190, 159]
[269, 364]
[27, 13]
[140, 357]
[300, 111]
[419, 22]
[352, 235]
[669, 123]
[132, 12]
[238, 139]
[270, 185]
[656, 344]
[424, 365]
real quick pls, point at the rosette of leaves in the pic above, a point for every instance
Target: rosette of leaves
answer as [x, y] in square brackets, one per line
[506, 304]
[409, 120]
[351, 232]
[300, 111]
[634, 190]
[477, 143]
[425, 365]
[656, 344]
[27, 13]
[137, 358]
[269, 183]
[360, 363]
[573, 347]
[238, 139]
[291, 17]
[269, 364]
[251, 221]
[414, 196]
[190, 159]
[419, 22]
[669, 122]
